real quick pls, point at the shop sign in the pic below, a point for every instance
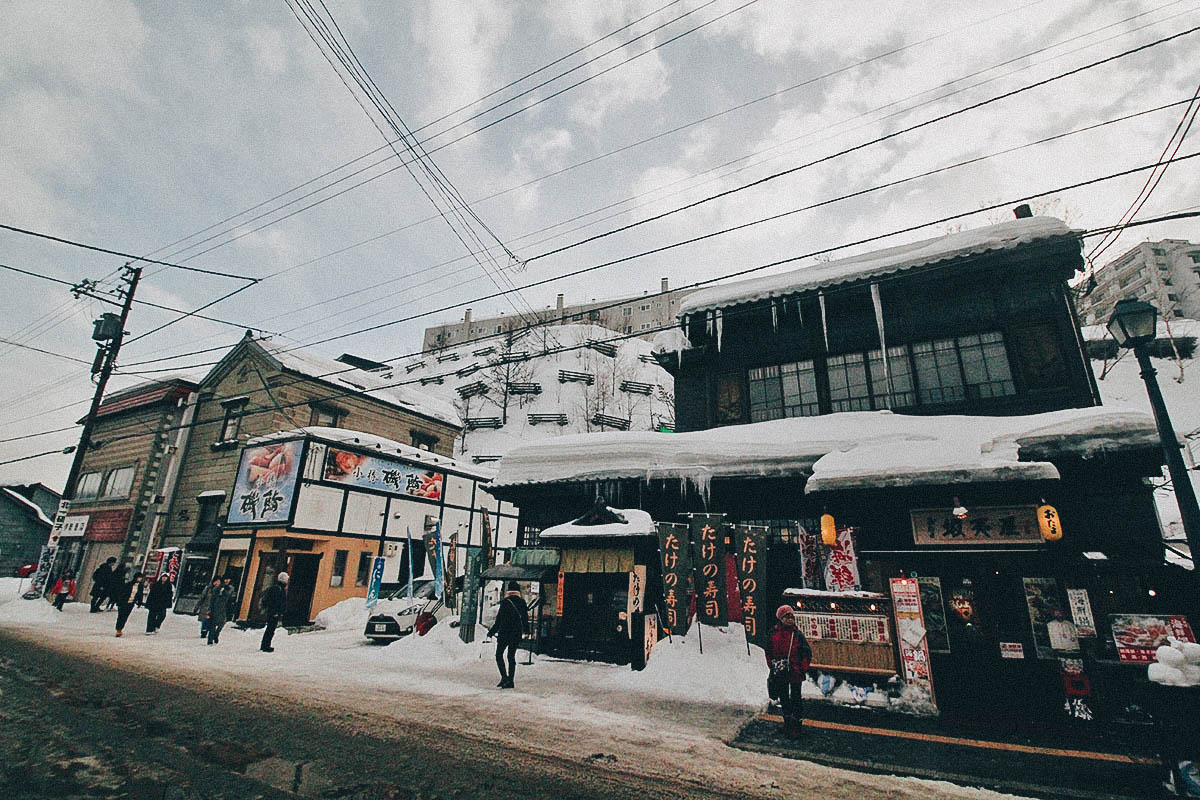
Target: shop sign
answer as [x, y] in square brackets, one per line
[470, 600]
[988, 525]
[266, 482]
[910, 631]
[750, 549]
[1012, 650]
[650, 635]
[1048, 619]
[858, 628]
[841, 563]
[74, 525]
[558, 600]
[676, 565]
[635, 597]
[934, 610]
[708, 535]
[1081, 612]
[383, 474]
[1137, 636]
[45, 563]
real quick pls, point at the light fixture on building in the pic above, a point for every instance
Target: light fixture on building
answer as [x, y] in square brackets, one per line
[828, 530]
[959, 511]
[1152, 593]
[1048, 522]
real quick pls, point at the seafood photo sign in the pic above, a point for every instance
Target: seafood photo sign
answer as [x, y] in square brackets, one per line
[1137, 636]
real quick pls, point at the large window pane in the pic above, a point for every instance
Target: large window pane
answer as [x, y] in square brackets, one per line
[766, 394]
[985, 363]
[903, 392]
[937, 371]
[89, 485]
[117, 482]
[848, 383]
[800, 389]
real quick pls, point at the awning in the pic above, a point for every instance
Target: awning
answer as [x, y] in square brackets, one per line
[520, 572]
[607, 559]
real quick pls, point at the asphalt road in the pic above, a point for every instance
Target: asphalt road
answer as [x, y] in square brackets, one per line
[78, 727]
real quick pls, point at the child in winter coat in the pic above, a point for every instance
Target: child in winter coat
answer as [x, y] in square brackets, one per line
[64, 588]
[788, 657]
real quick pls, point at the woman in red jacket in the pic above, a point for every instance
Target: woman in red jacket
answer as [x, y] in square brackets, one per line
[64, 588]
[788, 656]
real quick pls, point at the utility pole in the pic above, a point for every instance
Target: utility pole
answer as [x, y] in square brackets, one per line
[112, 331]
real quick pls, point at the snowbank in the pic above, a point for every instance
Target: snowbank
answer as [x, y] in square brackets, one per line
[28, 613]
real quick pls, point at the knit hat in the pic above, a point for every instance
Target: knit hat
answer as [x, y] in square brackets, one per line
[784, 609]
[282, 577]
[513, 586]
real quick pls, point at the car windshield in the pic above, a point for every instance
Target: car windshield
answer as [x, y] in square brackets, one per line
[422, 590]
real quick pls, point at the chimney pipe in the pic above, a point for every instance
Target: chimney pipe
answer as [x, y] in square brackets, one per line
[467, 317]
[1023, 211]
[664, 285]
[559, 304]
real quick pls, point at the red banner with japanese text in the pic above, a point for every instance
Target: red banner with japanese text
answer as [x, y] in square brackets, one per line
[708, 537]
[841, 563]
[750, 551]
[676, 566]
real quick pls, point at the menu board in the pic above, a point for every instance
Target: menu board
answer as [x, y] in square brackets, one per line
[1137, 636]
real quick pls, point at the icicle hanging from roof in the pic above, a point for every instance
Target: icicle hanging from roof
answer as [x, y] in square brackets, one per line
[720, 319]
[887, 372]
[774, 316]
[824, 321]
[799, 311]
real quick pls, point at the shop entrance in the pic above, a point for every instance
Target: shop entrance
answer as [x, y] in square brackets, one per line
[302, 581]
[591, 623]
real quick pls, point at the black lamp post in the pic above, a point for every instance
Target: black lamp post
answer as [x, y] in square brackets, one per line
[1134, 324]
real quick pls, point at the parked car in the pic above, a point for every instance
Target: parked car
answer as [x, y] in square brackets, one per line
[25, 570]
[395, 617]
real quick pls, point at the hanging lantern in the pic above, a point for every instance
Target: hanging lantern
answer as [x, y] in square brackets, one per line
[828, 530]
[1048, 523]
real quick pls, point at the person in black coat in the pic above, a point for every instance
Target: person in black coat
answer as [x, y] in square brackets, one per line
[512, 622]
[158, 601]
[274, 605]
[127, 596]
[102, 580]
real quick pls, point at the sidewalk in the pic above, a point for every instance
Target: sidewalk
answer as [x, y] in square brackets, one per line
[1036, 763]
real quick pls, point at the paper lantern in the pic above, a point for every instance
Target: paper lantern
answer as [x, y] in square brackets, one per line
[1048, 523]
[828, 530]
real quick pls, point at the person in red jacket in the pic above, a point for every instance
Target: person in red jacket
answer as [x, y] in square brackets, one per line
[788, 657]
[64, 588]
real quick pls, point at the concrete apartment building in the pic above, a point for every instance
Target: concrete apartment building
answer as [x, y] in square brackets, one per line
[644, 315]
[1164, 273]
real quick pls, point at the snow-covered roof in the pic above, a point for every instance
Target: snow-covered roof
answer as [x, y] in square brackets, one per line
[370, 441]
[374, 385]
[875, 448]
[1004, 236]
[637, 523]
[28, 505]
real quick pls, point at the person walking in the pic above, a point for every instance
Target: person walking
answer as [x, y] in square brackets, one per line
[127, 596]
[158, 601]
[102, 579]
[63, 588]
[219, 613]
[204, 606]
[788, 656]
[512, 622]
[274, 603]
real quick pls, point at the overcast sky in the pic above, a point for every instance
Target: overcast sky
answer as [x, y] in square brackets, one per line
[133, 126]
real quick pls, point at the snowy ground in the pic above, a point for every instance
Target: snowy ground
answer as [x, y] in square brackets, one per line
[670, 720]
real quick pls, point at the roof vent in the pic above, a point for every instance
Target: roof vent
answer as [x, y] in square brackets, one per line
[1023, 211]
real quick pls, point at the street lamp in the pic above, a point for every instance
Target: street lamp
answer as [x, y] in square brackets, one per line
[1134, 325]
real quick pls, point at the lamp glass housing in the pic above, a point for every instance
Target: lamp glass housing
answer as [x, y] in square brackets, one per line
[1133, 323]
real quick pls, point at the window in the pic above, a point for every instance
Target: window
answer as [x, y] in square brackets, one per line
[937, 371]
[1195, 257]
[848, 383]
[326, 416]
[627, 311]
[88, 485]
[365, 561]
[117, 483]
[788, 390]
[983, 371]
[1173, 298]
[339, 568]
[423, 441]
[1158, 251]
[232, 424]
[985, 365]
[900, 371]
[644, 307]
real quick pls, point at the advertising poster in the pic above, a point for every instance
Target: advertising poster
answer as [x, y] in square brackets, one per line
[37, 583]
[810, 558]
[266, 482]
[910, 633]
[674, 551]
[1137, 636]
[373, 472]
[1081, 612]
[433, 551]
[451, 570]
[470, 594]
[1045, 607]
[750, 550]
[708, 534]
[934, 609]
[841, 563]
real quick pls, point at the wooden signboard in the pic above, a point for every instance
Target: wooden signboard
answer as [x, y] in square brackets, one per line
[981, 527]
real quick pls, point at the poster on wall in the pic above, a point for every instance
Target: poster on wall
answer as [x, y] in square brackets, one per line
[674, 551]
[750, 551]
[911, 635]
[1045, 607]
[841, 563]
[470, 594]
[1081, 612]
[708, 534]
[934, 610]
[266, 482]
[810, 558]
[385, 475]
[1137, 636]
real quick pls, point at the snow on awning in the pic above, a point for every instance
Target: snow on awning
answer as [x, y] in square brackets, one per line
[370, 441]
[634, 522]
[1005, 236]
[875, 448]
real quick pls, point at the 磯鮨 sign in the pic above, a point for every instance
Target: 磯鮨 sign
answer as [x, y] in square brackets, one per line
[265, 484]
[383, 474]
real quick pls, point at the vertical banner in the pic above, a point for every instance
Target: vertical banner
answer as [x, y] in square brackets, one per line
[451, 570]
[810, 558]
[433, 551]
[1081, 612]
[558, 598]
[45, 561]
[673, 548]
[841, 567]
[750, 546]
[174, 561]
[375, 582]
[486, 545]
[635, 598]
[910, 633]
[934, 610]
[1042, 601]
[470, 595]
[733, 597]
[708, 535]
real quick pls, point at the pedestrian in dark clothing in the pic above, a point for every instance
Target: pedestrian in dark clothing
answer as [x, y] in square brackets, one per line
[116, 583]
[102, 580]
[127, 596]
[788, 656]
[274, 603]
[219, 614]
[158, 601]
[63, 588]
[512, 622]
[204, 606]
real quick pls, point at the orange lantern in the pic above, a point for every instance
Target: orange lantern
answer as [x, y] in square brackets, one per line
[828, 530]
[1048, 523]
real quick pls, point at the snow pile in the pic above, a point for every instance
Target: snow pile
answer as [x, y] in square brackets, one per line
[36, 612]
[440, 647]
[1178, 664]
[11, 588]
[349, 614]
[724, 673]
[637, 523]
